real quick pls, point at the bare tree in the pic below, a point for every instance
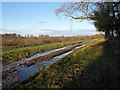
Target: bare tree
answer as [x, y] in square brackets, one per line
[106, 15]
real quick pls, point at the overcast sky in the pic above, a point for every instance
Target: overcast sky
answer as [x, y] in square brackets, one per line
[39, 18]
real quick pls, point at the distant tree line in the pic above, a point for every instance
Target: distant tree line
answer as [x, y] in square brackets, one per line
[29, 40]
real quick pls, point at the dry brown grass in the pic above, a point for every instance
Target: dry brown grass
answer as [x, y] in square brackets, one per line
[14, 40]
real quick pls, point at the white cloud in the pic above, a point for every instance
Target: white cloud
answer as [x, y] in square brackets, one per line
[51, 32]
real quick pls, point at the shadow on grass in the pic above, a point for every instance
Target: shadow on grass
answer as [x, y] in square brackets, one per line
[104, 72]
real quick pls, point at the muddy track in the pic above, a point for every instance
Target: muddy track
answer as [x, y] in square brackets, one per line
[16, 74]
[49, 56]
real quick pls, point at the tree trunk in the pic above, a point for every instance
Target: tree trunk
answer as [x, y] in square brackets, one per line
[107, 34]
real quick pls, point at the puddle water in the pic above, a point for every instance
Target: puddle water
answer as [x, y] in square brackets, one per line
[14, 64]
[26, 72]
[23, 72]
[44, 53]
[53, 60]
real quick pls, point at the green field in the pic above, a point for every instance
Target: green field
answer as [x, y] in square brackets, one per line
[10, 55]
[89, 67]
